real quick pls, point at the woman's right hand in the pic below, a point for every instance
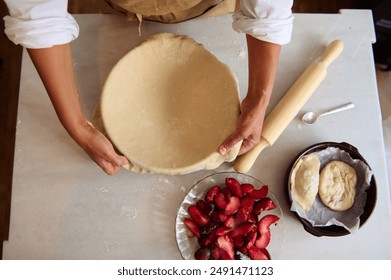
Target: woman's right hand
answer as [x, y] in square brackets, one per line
[100, 149]
[55, 68]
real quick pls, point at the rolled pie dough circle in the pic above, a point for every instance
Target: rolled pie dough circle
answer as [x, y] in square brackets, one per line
[168, 104]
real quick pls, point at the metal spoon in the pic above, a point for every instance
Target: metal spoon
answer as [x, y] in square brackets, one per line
[311, 117]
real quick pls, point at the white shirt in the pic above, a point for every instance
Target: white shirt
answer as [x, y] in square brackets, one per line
[45, 23]
[266, 20]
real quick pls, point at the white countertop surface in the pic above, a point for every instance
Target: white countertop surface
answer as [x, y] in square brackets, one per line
[64, 207]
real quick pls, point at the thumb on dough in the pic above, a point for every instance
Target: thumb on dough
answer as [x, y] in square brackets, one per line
[228, 143]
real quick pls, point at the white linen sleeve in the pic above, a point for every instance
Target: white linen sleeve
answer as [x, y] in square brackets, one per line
[39, 23]
[266, 20]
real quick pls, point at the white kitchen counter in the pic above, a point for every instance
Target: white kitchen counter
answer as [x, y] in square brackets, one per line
[64, 207]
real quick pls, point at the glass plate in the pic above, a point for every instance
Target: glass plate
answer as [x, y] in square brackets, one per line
[187, 246]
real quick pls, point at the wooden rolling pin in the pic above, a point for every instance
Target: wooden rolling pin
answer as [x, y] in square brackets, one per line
[290, 104]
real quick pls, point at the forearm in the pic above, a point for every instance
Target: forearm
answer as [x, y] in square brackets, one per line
[263, 61]
[54, 66]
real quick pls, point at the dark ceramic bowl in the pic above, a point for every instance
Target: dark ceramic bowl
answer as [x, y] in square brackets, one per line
[371, 191]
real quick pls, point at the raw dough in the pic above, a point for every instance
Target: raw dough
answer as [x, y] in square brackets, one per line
[305, 181]
[337, 188]
[168, 104]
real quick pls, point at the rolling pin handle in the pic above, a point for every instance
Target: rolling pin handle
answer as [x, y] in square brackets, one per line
[331, 52]
[244, 163]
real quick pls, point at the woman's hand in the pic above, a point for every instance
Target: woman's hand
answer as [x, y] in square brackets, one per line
[249, 126]
[262, 63]
[100, 149]
[54, 66]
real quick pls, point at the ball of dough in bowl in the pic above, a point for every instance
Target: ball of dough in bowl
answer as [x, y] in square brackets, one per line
[337, 186]
[305, 181]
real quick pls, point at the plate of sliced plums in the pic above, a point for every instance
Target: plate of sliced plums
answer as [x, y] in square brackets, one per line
[229, 216]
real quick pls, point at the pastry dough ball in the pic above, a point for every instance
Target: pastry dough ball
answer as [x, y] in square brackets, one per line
[305, 181]
[337, 187]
